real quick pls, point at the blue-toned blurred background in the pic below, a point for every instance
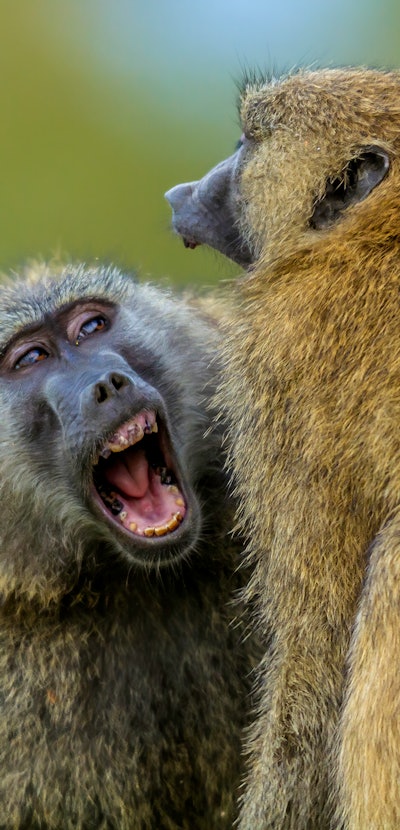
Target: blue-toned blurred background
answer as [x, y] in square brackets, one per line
[107, 103]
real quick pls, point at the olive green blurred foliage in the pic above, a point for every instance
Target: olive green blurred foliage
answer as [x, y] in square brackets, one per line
[86, 152]
[85, 159]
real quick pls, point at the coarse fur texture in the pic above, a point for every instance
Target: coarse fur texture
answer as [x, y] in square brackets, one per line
[124, 671]
[311, 398]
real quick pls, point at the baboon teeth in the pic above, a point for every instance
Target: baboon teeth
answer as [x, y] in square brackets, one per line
[177, 518]
[165, 476]
[162, 530]
[130, 433]
[121, 507]
[140, 489]
[112, 502]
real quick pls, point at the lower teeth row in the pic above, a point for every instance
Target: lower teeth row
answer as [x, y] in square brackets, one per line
[114, 504]
[173, 523]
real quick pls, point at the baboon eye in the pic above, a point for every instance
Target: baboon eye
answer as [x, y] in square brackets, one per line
[34, 355]
[94, 324]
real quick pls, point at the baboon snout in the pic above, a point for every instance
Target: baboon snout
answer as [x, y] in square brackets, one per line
[205, 212]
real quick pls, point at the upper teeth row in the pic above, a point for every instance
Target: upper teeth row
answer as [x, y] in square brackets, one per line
[130, 433]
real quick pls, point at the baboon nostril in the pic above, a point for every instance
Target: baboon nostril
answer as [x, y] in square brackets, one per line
[101, 392]
[118, 381]
[107, 388]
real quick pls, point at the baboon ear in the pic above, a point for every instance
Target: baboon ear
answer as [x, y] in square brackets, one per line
[360, 177]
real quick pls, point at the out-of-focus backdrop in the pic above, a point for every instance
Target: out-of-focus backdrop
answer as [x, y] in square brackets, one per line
[105, 104]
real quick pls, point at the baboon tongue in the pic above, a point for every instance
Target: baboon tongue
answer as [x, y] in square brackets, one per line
[128, 472]
[135, 492]
[134, 483]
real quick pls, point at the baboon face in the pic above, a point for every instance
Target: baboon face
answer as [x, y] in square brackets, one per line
[96, 413]
[314, 145]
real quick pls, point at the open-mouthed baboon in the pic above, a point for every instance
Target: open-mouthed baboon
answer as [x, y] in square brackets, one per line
[123, 673]
[310, 202]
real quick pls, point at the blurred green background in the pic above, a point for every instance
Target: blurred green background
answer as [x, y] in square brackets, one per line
[105, 104]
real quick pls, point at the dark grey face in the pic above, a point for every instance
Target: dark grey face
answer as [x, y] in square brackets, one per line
[92, 413]
[208, 211]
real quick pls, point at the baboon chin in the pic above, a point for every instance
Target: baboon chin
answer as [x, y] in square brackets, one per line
[123, 679]
[310, 202]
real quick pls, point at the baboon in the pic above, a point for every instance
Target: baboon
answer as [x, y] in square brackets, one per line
[310, 205]
[124, 677]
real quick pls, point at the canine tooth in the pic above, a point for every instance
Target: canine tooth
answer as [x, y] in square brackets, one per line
[154, 427]
[132, 526]
[149, 531]
[123, 515]
[162, 530]
[173, 489]
[178, 516]
[179, 502]
[105, 452]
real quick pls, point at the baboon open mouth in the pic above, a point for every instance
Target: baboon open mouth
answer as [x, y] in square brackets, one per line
[135, 481]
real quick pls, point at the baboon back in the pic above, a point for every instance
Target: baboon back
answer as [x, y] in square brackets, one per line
[310, 202]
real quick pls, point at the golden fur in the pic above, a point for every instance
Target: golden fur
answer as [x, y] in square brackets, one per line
[312, 400]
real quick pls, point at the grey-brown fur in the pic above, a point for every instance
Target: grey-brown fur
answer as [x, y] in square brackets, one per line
[123, 684]
[311, 397]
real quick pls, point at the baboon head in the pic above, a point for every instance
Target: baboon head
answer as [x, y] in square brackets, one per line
[314, 147]
[102, 389]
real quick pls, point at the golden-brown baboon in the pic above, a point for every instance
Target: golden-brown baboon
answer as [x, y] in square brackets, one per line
[124, 675]
[311, 201]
